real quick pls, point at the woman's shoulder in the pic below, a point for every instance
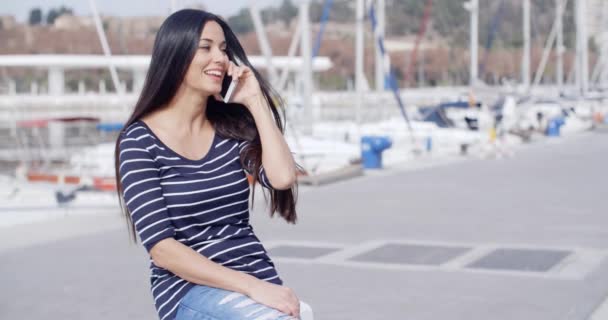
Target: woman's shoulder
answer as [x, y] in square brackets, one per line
[130, 129]
[136, 134]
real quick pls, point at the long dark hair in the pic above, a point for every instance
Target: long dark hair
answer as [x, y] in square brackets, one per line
[174, 48]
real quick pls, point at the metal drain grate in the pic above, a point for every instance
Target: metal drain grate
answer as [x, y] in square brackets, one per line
[302, 252]
[520, 260]
[411, 254]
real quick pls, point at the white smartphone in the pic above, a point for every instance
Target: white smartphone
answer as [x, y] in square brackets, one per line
[231, 88]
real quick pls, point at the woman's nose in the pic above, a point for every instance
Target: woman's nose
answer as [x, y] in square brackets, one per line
[218, 55]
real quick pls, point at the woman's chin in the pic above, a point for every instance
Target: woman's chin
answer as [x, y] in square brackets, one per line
[213, 89]
[210, 91]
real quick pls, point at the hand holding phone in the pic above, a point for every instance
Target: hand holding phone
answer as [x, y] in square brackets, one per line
[230, 90]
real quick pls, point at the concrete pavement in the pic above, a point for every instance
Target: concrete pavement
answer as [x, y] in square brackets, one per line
[532, 230]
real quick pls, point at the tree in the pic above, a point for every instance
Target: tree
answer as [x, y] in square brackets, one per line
[287, 11]
[51, 16]
[241, 22]
[343, 11]
[55, 13]
[269, 15]
[35, 16]
[316, 11]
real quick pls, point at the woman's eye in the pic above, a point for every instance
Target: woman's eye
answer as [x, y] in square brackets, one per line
[225, 50]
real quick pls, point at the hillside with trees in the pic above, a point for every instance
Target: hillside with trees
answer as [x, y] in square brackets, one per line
[443, 59]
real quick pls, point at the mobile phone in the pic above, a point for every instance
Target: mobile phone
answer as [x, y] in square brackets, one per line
[231, 88]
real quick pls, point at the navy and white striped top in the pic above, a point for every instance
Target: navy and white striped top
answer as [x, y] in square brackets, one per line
[203, 204]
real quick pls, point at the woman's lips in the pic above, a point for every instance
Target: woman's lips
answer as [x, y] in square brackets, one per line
[214, 77]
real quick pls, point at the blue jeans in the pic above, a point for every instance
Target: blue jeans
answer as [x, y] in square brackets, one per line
[208, 303]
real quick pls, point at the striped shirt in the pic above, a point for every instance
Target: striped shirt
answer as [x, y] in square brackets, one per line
[203, 204]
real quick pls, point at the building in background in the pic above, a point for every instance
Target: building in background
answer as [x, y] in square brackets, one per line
[7, 22]
[73, 23]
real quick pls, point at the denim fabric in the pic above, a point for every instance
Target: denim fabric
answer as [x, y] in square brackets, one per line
[208, 303]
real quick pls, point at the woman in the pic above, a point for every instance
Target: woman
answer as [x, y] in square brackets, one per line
[181, 164]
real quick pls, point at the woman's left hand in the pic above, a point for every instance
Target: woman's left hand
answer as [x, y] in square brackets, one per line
[247, 87]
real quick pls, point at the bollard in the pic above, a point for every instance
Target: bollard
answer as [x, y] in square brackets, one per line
[371, 150]
[553, 127]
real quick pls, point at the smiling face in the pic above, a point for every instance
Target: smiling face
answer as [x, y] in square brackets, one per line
[209, 65]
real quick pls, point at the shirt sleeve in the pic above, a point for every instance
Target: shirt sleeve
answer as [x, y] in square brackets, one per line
[262, 178]
[142, 191]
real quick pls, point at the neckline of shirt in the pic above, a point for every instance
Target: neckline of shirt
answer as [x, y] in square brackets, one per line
[167, 148]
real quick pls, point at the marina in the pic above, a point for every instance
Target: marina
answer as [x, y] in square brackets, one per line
[455, 200]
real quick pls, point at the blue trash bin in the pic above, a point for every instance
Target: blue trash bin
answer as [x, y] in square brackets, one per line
[554, 125]
[371, 150]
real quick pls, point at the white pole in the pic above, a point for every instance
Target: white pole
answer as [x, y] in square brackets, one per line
[540, 70]
[263, 40]
[102, 86]
[359, 60]
[582, 62]
[604, 47]
[34, 87]
[56, 81]
[585, 45]
[598, 74]
[525, 66]
[421, 68]
[579, 48]
[473, 7]
[106, 47]
[597, 70]
[559, 72]
[380, 30]
[293, 46]
[139, 77]
[12, 87]
[306, 53]
[81, 87]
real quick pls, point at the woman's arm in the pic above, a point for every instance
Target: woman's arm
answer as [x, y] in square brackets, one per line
[278, 163]
[186, 263]
[277, 160]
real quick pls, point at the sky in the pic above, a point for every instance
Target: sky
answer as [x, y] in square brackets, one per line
[21, 8]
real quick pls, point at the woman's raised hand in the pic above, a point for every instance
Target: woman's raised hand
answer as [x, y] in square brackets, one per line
[247, 88]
